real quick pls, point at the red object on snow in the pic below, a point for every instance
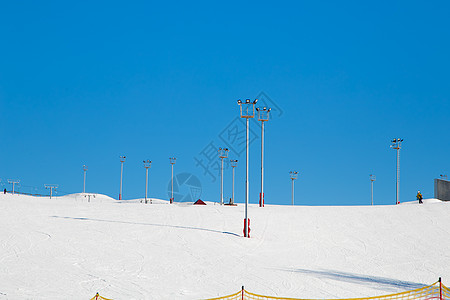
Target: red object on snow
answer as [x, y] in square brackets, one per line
[199, 202]
[245, 223]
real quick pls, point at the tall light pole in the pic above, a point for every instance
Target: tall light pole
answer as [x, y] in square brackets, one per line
[85, 168]
[147, 164]
[223, 153]
[122, 160]
[13, 182]
[372, 179]
[51, 187]
[263, 116]
[233, 165]
[397, 145]
[293, 175]
[247, 112]
[172, 162]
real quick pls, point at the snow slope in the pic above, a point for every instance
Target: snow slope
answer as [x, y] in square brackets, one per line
[68, 248]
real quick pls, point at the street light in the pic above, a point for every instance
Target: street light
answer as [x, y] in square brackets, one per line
[247, 112]
[397, 145]
[85, 168]
[122, 160]
[443, 177]
[293, 175]
[147, 164]
[223, 153]
[172, 162]
[233, 165]
[13, 182]
[263, 116]
[372, 179]
[51, 187]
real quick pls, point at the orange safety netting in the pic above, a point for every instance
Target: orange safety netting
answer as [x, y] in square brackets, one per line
[436, 291]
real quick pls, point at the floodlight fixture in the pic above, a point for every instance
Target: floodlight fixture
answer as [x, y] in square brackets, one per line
[293, 175]
[85, 168]
[372, 179]
[89, 196]
[443, 177]
[223, 153]
[172, 162]
[397, 145]
[122, 160]
[263, 116]
[247, 112]
[233, 165]
[147, 164]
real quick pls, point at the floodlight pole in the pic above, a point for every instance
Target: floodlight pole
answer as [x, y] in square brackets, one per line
[85, 168]
[13, 182]
[293, 175]
[51, 187]
[397, 145]
[147, 164]
[122, 160]
[233, 165]
[172, 162]
[247, 112]
[372, 179]
[263, 116]
[223, 153]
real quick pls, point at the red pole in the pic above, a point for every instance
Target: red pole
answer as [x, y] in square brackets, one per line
[440, 288]
[242, 293]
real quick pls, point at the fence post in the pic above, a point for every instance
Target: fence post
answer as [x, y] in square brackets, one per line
[440, 288]
[242, 293]
[96, 296]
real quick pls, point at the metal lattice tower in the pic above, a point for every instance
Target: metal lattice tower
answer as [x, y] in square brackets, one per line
[223, 153]
[263, 116]
[233, 165]
[293, 175]
[397, 145]
[147, 165]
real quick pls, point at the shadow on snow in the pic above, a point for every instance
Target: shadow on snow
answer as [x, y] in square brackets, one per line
[148, 224]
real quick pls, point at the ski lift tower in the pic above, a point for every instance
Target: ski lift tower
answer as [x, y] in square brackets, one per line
[13, 182]
[263, 116]
[172, 162]
[51, 187]
[233, 165]
[147, 164]
[372, 179]
[122, 160]
[223, 153]
[293, 175]
[397, 145]
[247, 109]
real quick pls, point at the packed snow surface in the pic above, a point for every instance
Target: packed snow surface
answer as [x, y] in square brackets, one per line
[69, 248]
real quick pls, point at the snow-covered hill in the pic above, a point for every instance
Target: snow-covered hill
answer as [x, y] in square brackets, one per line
[68, 248]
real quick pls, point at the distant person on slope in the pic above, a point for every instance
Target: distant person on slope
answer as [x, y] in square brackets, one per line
[4, 191]
[419, 197]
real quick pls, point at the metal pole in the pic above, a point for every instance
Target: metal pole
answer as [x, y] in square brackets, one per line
[13, 188]
[261, 195]
[371, 191]
[221, 181]
[171, 199]
[246, 180]
[146, 184]
[121, 173]
[292, 192]
[84, 181]
[232, 194]
[398, 175]
[51, 190]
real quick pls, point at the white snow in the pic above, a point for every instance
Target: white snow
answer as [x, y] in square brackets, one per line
[68, 248]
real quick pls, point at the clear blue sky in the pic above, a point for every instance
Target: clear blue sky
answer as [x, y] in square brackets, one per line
[83, 83]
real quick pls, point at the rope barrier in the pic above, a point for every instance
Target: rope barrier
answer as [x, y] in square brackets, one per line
[436, 291]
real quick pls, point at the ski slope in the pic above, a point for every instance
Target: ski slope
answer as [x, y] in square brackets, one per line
[69, 248]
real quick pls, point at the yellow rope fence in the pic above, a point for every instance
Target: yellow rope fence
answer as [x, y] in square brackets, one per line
[436, 291]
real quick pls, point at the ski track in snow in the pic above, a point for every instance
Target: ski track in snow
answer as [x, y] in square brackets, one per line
[53, 249]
